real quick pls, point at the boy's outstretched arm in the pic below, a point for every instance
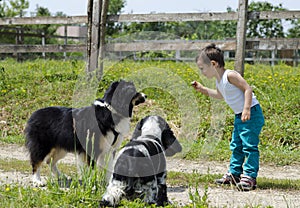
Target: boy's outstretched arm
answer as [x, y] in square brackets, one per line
[207, 91]
[236, 79]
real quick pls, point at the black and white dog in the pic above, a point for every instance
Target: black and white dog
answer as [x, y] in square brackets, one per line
[140, 167]
[91, 132]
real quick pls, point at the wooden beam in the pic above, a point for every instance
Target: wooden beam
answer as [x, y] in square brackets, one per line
[43, 20]
[159, 17]
[269, 15]
[254, 44]
[168, 45]
[241, 36]
[103, 19]
[173, 17]
[40, 49]
[94, 8]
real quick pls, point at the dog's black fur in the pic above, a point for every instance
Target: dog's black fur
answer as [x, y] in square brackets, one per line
[140, 167]
[90, 131]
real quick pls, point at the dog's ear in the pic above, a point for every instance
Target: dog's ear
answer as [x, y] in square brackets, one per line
[169, 142]
[138, 130]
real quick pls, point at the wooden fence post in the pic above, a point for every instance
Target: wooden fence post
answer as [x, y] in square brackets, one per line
[296, 55]
[102, 34]
[19, 40]
[43, 44]
[94, 8]
[97, 13]
[65, 39]
[241, 36]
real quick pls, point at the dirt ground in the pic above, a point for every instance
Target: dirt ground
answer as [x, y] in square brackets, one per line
[217, 196]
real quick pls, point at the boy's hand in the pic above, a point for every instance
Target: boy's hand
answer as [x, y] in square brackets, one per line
[245, 115]
[196, 84]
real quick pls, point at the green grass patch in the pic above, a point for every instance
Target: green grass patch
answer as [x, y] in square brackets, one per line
[28, 86]
[85, 195]
[88, 192]
[25, 167]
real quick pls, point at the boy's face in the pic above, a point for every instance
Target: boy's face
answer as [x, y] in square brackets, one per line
[206, 67]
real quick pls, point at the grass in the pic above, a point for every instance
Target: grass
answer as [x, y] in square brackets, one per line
[9, 165]
[203, 125]
[174, 178]
[88, 193]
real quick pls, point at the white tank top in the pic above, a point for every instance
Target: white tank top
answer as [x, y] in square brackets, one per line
[232, 95]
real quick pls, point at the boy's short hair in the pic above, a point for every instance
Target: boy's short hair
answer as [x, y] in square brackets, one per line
[213, 53]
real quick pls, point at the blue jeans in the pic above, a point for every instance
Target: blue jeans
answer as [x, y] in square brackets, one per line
[244, 143]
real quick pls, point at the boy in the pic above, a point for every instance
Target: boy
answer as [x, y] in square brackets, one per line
[248, 122]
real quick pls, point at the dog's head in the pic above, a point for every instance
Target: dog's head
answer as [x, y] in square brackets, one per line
[122, 96]
[158, 127]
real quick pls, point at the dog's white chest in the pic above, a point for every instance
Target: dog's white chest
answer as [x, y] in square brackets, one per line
[123, 127]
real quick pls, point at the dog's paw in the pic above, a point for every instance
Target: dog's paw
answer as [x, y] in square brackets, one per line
[107, 201]
[104, 203]
[38, 183]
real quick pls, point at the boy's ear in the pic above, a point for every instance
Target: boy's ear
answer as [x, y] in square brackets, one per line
[214, 63]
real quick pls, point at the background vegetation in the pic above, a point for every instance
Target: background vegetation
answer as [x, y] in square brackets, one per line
[27, 86]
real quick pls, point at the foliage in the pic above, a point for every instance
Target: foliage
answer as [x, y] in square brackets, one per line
[218, 30]
[114, 8]
[14, 8]
[47, 30]
[26, 34]
[27, 86]
[294, 31]
[11, 8]
[200, 30]
[264, 28]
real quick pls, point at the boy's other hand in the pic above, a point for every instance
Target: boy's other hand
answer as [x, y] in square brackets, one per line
[245, 115]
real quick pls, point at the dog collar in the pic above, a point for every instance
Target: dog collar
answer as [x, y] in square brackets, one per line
[106, 105]
[109, 107]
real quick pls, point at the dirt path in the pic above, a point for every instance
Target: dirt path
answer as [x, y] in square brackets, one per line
[217, 196]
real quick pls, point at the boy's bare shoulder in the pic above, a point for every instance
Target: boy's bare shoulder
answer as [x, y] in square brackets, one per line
[234, 77]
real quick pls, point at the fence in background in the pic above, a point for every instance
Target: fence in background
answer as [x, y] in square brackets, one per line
[280, 49]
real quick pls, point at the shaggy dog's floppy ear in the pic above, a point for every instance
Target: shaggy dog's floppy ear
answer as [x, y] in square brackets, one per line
[170, 143]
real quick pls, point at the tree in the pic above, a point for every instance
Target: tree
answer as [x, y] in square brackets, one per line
[202, 30]
[115, 7]
[294, 31]
[14, 8]
[47, 30]
[265, 28]
[11, 8]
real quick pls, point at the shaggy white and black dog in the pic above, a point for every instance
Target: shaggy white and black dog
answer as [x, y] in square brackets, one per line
[140, 167]
[91, 132]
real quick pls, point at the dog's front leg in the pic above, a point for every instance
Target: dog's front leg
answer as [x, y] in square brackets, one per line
[113, 193]
[150, 191]
[162, 198]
